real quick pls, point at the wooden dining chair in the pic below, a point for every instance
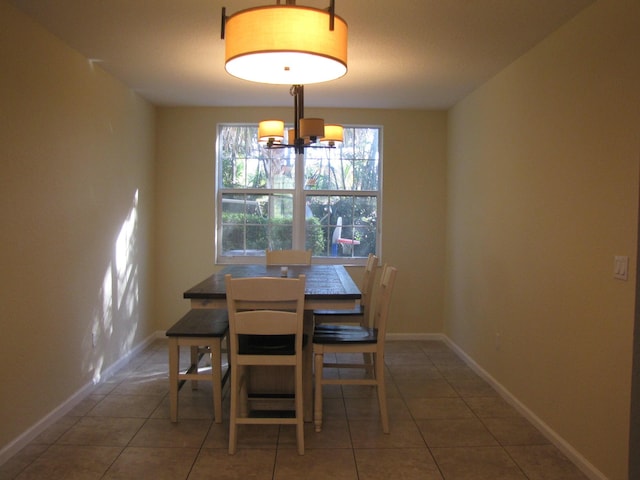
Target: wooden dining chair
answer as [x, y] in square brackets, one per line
[347, 339]
[202, 330]
[265, 330]
[288, 257]
[359, 315]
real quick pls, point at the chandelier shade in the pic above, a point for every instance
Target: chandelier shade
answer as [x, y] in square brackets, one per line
[271, 131]
[285, 45]
[312, 128]
[332, 134]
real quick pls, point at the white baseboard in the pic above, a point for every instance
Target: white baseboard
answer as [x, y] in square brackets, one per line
[61, 410]
[571, 453]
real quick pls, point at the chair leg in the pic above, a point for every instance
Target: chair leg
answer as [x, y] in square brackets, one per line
[317, 408]
[216, 374]
[382, 391]
[299, 411]
[174, 365]
[233, 412]
[307, 362]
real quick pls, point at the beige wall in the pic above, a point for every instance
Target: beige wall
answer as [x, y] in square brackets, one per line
[543, 192]
[534, 179]
[76, 146]
[413, 204]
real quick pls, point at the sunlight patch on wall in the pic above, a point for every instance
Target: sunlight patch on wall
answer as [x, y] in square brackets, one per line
[116, 314]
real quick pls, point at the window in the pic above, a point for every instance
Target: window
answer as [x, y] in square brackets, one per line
[327, 199]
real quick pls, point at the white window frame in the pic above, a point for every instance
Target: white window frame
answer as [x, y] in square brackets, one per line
[299, 194]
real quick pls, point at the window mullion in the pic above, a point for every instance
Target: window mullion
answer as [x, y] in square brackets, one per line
[299, 223]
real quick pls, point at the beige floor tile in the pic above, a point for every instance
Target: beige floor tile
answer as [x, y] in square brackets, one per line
[106, 387]
[407, 358]
[403, 346]
[218, 435]
[491, 407]
[514, 431]
[445, 358]
[319, 464]
[414, 372]
[333, 409]
[187, 433]
[432, 346]
[437, 387]
[476, 463]
[25, 457]
[334, 434]
[144, 385]
[55, 431]
[366, 391]
[368, 409]
[545, 462]
[101, 431]
[402, 434]
[430, 408]
[257, 436]
[458, 373]
[155, 463]
[462, 432]
[405, 464]
[85, 405]
[254, 464]
[71, 462]
[332, 391]
[473, 387]
[194, 405]
[113, 405]
[352, 373]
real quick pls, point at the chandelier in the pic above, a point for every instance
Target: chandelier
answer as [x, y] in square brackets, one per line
[306, 132]
[285, 44]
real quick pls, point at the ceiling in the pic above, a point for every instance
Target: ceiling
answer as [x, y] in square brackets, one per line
[417, 54]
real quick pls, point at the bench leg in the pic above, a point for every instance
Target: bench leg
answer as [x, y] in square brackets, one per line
[174, 365]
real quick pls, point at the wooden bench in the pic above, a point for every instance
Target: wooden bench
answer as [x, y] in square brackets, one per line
[202, 330]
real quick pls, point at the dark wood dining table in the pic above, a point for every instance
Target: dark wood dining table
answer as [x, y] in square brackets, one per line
[328, 287]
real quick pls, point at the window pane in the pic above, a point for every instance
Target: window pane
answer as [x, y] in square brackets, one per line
[350, 166]
[253, 223]
[245, 164]
[340, 226]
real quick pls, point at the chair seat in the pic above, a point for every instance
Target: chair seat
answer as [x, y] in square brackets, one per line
[201, 323]
[358, 311]
[340, 334]
[268, 344]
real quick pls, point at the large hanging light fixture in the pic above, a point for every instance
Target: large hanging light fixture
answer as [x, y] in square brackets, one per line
[306, 132]
[285, 44]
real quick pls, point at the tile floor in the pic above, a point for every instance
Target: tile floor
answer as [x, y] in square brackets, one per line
[446, 423]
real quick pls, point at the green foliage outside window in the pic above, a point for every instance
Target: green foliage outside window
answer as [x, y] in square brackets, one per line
[260, 233]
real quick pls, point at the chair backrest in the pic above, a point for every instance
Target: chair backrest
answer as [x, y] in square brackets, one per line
[383, 300]
[265, 306]
[368, 280]
[288, 257]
